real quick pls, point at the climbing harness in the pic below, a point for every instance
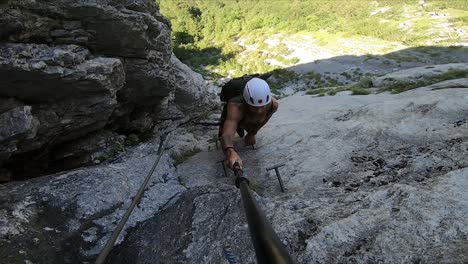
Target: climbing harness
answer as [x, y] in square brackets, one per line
[118, 229]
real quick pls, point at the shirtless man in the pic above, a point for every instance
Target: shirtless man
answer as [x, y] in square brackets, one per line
[249, 112]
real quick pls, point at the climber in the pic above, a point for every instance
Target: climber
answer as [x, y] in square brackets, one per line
[245, 113]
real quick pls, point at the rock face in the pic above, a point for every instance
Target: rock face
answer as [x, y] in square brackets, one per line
[376, 178]
[72, 69]
[71, 211]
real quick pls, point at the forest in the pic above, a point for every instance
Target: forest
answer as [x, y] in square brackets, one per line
[230, 38]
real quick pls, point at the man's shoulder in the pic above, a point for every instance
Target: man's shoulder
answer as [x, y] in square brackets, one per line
[274, 105]
[236, 99]
[235, 108]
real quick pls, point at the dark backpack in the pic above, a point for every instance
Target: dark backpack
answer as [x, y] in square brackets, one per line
[235, 87]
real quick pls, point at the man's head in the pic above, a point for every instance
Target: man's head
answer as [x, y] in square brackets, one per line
[257, 93]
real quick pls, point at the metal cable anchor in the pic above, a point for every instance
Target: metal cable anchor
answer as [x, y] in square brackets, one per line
[275, 167]
[224, 166]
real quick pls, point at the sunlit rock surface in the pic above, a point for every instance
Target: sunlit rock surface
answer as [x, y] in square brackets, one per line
[376, 178]
[369, 178]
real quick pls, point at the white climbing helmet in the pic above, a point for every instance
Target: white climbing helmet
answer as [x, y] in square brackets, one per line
[257, 92]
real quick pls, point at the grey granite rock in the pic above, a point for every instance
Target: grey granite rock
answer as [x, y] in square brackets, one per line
[377, 178]
[77, 211]
[70, 94]
[88, 66]
[16, 123]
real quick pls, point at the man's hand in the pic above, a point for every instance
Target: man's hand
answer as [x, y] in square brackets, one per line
[232, 158]
[250, 140]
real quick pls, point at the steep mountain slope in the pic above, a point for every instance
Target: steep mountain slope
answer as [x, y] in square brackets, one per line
[376, 178]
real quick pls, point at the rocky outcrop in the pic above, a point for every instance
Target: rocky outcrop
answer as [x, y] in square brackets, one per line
[66, 214]
[123, 28]
[376, 178]
[460, 83]
[418, 74]
[72, 69]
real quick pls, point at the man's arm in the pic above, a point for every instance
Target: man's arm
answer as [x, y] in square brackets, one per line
[234, 115]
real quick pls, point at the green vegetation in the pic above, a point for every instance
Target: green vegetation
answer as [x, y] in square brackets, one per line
[398, 57]
[256, 186]
[455, 4]
[119, 148]
[405, 86]
[230, 38]
[317, 91]
[346, 75]
[328, 91]
[282, 77]
[359, 91]
[400, 87]
[459, 16]
[179, 159]
[316, 80]
[365, 82]
[361, 87]
[132, 140]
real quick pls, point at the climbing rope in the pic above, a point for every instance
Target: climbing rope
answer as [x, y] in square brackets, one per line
[118, 229]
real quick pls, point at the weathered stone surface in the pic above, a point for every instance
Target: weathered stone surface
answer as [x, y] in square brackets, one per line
[178, 91]
[377, 178]
[100, 146]
[190, 93]
[102, 22]
[16, 123]
[189, 229]
[69, 94]
[94, 65]
[145, 82]
[77, 211]
[39, 73]
[416, 74]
